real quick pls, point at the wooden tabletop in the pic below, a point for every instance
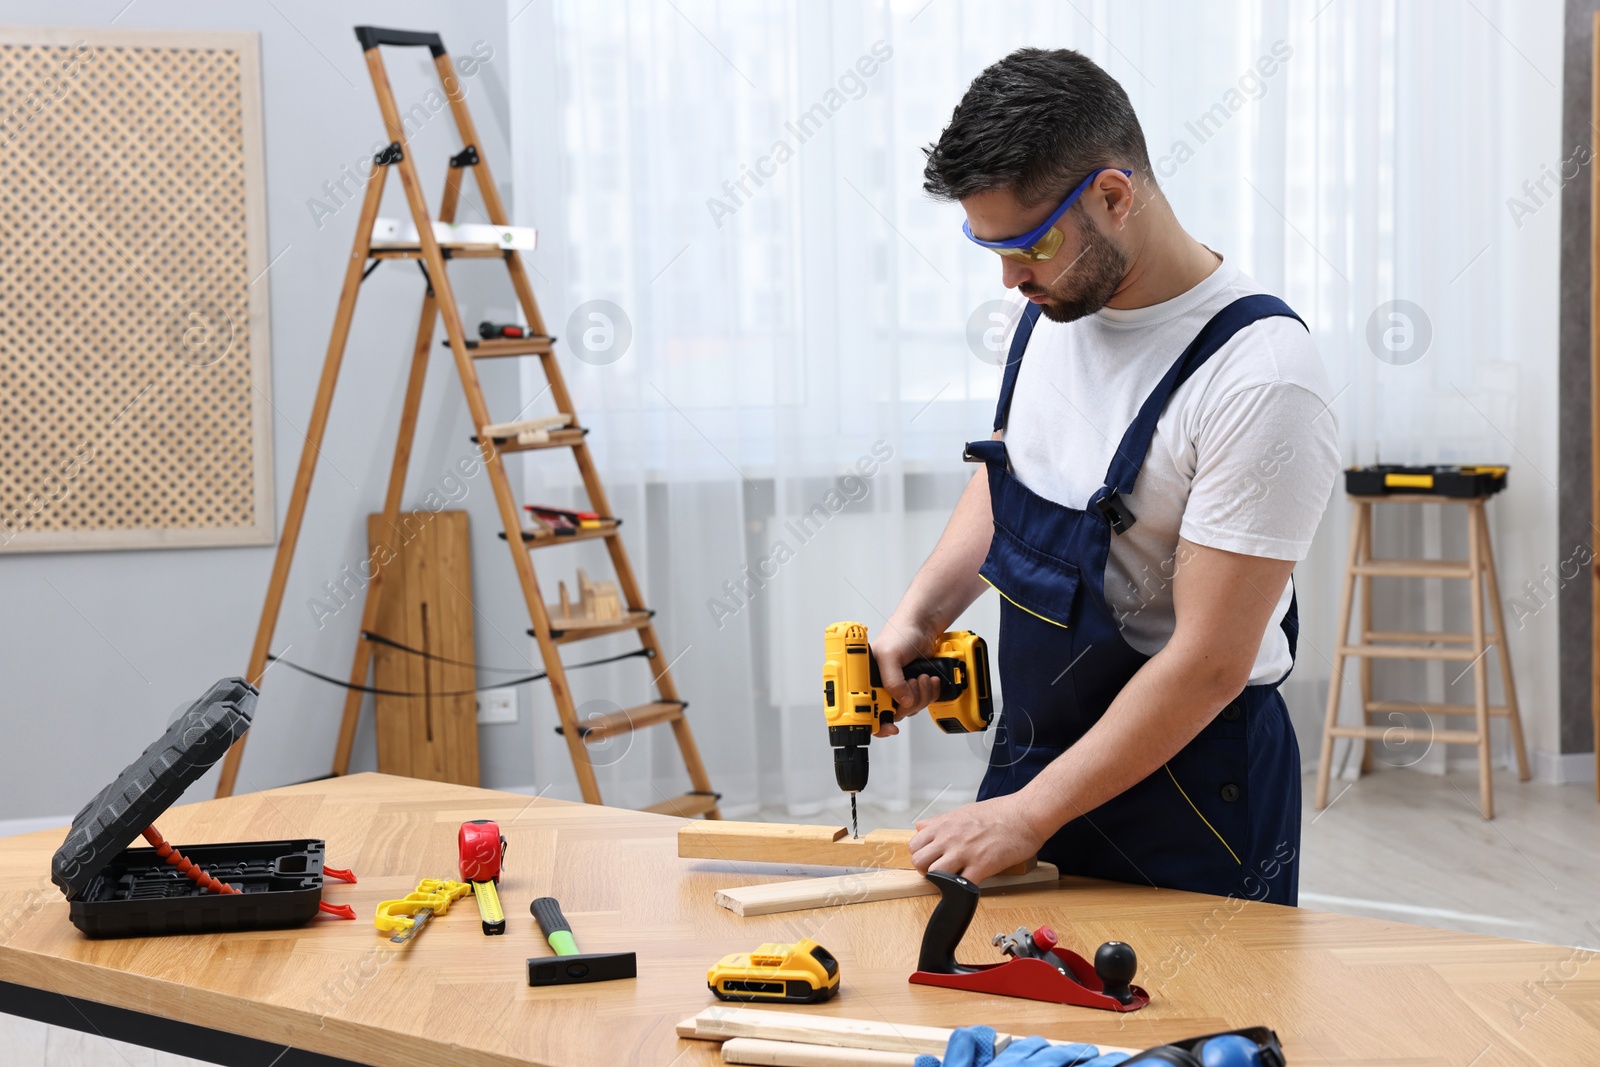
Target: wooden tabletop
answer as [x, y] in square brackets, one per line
[1339, 990]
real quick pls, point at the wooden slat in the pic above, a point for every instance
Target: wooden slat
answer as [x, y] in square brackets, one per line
[1417, 636]
[545, 539]
[500, 347]
[685, 805]
[756, 1050]
[729, 1023]
[1407, 652]
[1404, 734]
[567, 631]
[626, 720]
[1415, 568]
[1405, 706]
[826, 846]
[804, 893]
[718, 1023]
[568, 438]
[450, 250]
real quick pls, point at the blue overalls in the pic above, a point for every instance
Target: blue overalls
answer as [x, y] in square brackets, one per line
[1223, 815]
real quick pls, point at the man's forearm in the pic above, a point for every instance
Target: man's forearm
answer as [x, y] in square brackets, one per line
[948, 580]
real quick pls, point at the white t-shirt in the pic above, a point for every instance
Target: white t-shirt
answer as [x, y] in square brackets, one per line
[1244, 456]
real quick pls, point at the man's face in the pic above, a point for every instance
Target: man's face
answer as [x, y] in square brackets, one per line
[1078, 280]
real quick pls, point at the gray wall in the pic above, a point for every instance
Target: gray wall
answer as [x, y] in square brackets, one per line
[1575, 521]
[97, 649]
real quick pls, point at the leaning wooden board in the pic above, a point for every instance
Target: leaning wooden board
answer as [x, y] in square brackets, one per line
[823, 846]
[426, 604]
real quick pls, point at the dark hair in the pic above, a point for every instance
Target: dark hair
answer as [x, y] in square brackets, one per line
[1036, 123]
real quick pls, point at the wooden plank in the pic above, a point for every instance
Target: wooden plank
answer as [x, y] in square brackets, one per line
[824, 846]
[803, 893]
[755, 1050]
[724, 1022]
[425, 606]
[720, 1023]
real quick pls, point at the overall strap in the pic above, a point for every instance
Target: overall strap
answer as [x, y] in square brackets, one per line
[1130, 455]
[1019, 345]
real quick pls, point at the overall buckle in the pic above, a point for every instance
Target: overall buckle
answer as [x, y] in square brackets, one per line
[1115, 511]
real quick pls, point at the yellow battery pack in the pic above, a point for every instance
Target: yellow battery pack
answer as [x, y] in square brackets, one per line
[801, 973]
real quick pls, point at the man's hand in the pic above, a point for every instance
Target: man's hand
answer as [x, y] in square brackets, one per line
[980, 839]
[899, 642]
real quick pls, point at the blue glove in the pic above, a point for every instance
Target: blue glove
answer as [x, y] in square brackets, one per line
[969, 1046]
[973, 1046]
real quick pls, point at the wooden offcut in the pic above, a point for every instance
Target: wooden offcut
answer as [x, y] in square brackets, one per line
[801, 894]
[426, 605]
[825, 846]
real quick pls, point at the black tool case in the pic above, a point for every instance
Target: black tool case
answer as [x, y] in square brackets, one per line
[1460, 482]
[116, 891]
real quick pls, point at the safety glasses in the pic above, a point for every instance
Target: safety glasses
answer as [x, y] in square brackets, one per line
[1043, 242]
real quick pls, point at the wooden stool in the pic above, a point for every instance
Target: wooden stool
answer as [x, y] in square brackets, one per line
[1382, 644]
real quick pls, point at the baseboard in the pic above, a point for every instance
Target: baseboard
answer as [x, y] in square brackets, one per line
[1563, 768]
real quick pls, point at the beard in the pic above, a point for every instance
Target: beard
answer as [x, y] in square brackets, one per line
[1084, 285]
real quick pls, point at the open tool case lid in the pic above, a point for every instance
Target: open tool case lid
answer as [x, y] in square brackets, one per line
[116, 891]
[150, 784]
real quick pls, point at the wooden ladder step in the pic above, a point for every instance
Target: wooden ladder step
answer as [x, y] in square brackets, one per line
[1403, 734]
[565, 631]
[457, 250]
[563, 438]
[1408, 707]
[500, 347]
[1419, 636]
[688, 805]
[627, 720]
[1407, 652]
[544, 539]
[1414, 568]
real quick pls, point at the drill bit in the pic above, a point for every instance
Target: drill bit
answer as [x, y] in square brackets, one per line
[855, 827]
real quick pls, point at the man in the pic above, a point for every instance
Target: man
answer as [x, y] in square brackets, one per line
[1163, 452]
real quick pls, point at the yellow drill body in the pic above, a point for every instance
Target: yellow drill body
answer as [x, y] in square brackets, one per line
[856, 704]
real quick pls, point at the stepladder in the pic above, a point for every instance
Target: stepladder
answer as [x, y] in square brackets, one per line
[1406, 723]
[624, 609]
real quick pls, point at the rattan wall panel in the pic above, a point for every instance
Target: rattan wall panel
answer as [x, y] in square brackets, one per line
[134, 375]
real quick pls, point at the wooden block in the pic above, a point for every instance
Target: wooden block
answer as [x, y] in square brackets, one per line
[426, 604]
[719, 1023]
[826, 846]
[804, 893]
[758, 1050]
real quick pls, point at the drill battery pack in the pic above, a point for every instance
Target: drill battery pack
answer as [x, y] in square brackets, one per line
[116, 891]
[1384, 479]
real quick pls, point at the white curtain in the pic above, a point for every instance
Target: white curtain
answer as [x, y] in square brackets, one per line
[780, 343]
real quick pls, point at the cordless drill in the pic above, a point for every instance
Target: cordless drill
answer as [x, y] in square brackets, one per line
[856, 703]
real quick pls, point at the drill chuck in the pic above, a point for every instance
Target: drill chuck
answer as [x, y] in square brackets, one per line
[850, 756]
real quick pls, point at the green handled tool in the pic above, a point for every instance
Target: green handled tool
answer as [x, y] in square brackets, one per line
[569, 966]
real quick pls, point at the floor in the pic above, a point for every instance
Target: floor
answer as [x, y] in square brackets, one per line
[1397, 845]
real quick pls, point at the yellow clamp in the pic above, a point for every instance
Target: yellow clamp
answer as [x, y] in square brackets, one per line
[432, 894]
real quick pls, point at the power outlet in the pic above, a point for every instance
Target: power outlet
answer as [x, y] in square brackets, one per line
[497, 706]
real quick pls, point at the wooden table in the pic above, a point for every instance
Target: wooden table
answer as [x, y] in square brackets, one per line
[1338, 990]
